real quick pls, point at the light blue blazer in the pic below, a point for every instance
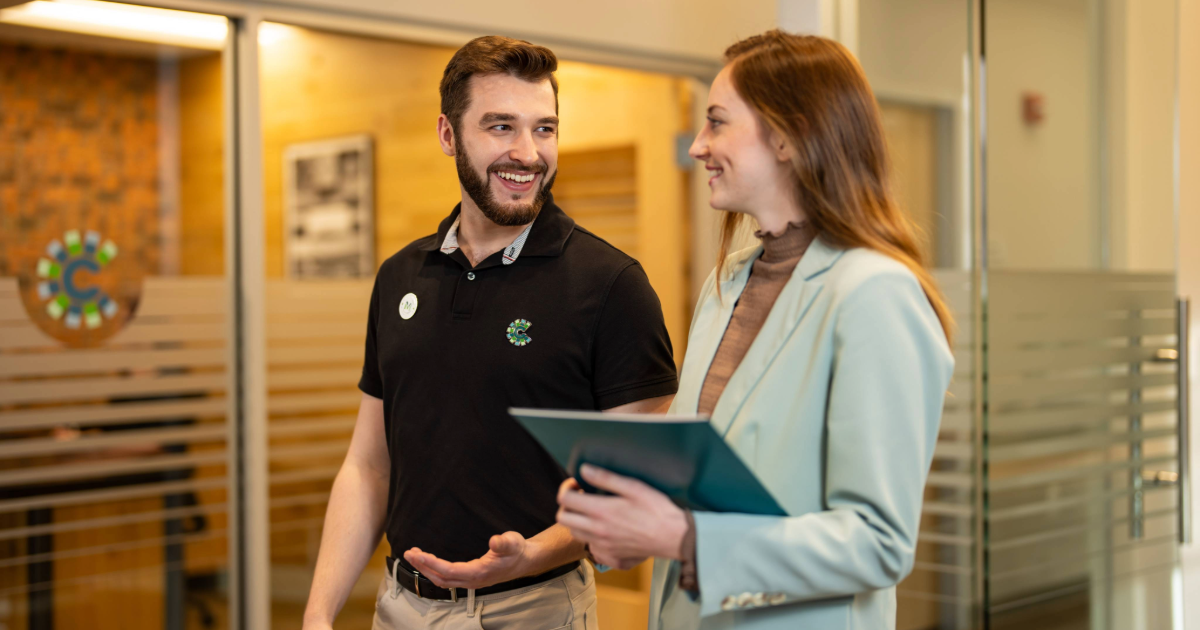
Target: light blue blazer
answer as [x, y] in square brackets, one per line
[836, 408]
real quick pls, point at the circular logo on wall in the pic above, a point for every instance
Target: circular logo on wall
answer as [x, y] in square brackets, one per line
[81, 295]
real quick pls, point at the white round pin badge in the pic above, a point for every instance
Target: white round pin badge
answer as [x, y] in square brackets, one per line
[408, 306]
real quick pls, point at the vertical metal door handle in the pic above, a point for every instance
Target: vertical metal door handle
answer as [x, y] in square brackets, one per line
[1182, 309]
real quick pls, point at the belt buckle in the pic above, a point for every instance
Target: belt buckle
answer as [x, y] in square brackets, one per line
[417, 588]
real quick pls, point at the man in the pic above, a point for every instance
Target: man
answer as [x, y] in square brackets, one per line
[509, 304]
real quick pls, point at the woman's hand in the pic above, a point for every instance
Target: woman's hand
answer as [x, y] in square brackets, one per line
[623, 530]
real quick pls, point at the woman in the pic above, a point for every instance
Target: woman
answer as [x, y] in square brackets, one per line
[822, 356]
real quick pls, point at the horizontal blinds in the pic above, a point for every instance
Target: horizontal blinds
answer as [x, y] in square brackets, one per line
[315, 335]
[113, 460]
[940, 591]
[1081, 419]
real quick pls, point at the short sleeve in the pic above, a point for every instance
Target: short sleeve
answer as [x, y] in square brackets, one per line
[631, 352]
[371, 383]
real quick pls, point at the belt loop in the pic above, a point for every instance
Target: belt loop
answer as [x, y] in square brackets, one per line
[393, 583]
[470, 602]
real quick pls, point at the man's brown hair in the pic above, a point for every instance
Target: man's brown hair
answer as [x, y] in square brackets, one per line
[493, 54]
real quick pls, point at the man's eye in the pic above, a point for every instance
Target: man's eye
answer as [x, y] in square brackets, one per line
[502, 127]
[546, 129]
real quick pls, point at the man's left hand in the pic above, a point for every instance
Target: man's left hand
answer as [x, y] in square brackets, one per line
[504, 561]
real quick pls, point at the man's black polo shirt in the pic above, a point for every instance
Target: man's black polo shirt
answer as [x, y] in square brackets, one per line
[462, 469]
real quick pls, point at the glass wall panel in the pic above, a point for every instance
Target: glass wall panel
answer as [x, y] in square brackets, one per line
[1081, 363]
[114, 329]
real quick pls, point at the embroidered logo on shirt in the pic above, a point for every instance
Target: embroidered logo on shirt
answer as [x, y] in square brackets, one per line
[516, 332]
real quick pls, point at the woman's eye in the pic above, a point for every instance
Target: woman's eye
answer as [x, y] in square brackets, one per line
[713, 122]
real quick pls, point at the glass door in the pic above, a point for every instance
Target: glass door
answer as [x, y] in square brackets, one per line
[116, 378]
[1081, 389]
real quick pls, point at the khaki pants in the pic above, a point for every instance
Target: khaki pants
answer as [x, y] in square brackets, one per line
[567, 602]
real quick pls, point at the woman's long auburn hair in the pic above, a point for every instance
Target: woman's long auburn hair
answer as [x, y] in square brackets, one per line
[812, 92]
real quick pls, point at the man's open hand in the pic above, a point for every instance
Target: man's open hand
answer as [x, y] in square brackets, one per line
[504, 561]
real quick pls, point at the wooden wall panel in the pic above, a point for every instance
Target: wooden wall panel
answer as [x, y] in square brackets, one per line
[911, 133]
[201, 166]
[318, 85]
[599, 190]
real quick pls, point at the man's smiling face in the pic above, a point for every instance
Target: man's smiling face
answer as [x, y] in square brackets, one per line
[506, 147]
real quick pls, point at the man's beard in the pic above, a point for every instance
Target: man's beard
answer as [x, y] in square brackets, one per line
[479, 190]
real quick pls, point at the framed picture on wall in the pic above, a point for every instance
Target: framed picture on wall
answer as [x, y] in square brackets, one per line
[329, 209]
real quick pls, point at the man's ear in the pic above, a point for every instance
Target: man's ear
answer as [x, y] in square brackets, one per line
[445, 133]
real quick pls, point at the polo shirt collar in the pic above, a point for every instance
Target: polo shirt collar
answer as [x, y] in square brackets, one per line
[546, 236]
[450, 243]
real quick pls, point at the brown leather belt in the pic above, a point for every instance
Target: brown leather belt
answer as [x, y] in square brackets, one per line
[412, 581]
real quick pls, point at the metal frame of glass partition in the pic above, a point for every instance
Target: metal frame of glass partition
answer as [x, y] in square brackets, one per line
[977, 184]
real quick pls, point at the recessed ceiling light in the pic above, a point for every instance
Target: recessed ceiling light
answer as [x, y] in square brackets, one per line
[122, 21]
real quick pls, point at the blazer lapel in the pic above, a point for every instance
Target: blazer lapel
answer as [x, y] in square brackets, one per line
[712, 319]
[785, 315]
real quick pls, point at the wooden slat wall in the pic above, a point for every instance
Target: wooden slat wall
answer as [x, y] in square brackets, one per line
[598, 188]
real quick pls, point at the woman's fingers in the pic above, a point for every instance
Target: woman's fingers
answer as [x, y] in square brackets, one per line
[568, 486]
[587, 503]
[614, 483]
[582, 526]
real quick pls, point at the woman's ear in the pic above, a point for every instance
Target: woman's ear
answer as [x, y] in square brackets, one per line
[781, 146]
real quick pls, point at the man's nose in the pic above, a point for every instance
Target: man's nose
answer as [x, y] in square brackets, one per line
[524, 151]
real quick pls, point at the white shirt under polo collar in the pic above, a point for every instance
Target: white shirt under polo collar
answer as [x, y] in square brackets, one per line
[450, 243]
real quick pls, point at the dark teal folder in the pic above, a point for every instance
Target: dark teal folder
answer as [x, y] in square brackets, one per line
[683, 457]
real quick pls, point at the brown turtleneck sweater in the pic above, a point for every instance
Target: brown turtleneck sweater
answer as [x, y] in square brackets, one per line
[772, 270]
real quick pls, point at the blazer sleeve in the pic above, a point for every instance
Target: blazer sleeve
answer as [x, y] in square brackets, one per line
[891, 367]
